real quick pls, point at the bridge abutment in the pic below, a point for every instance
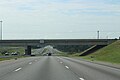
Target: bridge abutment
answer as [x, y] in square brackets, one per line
[28, 50]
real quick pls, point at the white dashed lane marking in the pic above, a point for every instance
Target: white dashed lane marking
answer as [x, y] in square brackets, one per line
[30, 63]
[18, 69]
[67, 67]
[81, 79]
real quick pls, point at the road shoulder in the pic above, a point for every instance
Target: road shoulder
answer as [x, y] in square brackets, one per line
[113, 65]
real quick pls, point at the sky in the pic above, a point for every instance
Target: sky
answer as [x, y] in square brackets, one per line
[60, 19]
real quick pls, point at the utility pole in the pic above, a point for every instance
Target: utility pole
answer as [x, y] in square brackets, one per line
[98, 34]
[1, 29]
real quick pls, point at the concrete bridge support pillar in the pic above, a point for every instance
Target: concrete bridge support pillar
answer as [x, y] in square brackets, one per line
[28, 50]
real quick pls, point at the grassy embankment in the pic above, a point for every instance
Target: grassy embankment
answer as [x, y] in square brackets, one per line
[110, 53]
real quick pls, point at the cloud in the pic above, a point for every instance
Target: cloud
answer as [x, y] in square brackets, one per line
[63, 6]
[54, 17]
[84, 7]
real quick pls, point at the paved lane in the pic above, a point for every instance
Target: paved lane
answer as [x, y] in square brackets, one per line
[91, 71]
[46, 68]
[6, 67]
[55, 68]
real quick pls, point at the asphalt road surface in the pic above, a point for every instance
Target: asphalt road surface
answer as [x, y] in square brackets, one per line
[55, 68]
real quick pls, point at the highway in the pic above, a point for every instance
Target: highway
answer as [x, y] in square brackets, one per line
[55, 68]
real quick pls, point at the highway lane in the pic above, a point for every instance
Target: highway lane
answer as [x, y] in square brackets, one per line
[91, 71]
[8, 66]
[55, 68]
[45, 68]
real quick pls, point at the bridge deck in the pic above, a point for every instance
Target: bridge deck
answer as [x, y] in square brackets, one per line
[34, 42]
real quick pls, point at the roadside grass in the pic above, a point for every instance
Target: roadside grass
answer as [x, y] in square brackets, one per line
[63, 54]
[12, 57]
[2, 59]
[110, 53]
[74, 55]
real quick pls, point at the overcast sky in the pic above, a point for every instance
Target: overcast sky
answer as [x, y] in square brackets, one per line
[51, 19]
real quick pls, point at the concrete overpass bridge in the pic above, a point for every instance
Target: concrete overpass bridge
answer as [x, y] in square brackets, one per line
[28, 43]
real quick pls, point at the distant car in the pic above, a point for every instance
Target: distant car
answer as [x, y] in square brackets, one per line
[6, 54]
[14, 53]
[49, 54]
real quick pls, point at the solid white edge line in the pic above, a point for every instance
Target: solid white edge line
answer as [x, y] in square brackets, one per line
[18, 69]
[81, 79]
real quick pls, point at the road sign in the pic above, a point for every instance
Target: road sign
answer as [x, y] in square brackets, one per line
[42, 41]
